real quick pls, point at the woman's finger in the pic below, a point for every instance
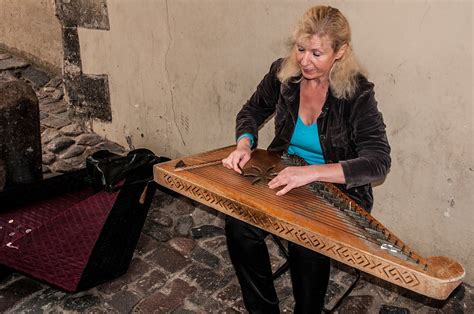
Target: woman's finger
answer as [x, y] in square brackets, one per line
[226, 163]
[245, 158]
[285, 190]
[276, 182]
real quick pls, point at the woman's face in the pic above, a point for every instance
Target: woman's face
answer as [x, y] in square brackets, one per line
[315, 56]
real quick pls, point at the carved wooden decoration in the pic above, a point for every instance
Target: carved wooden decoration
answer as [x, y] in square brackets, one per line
[318, 216]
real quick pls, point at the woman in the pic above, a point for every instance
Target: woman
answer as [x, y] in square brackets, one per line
[326, 113]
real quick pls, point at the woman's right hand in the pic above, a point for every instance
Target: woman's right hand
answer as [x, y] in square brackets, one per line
[239, 157]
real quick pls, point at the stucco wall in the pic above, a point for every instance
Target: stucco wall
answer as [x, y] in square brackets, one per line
[30, 28]
[180, 70]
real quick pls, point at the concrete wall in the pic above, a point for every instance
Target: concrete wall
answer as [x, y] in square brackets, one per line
[30, 28]
[180, 70]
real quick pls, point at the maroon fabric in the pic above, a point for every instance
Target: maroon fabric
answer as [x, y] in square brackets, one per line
[52, 240]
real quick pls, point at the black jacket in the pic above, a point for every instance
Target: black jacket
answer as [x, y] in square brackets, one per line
[351, 132]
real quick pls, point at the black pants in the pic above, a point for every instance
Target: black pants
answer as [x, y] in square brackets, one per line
[249, 255]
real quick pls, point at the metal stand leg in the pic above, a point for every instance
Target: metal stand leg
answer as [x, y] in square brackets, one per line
[283, 268]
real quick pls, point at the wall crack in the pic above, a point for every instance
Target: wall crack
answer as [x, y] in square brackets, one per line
[168, 73]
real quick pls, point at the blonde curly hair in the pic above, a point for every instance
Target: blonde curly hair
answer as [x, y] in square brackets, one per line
[325, 21]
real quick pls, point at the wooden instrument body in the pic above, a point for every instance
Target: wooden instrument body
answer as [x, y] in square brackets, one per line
[303, 218]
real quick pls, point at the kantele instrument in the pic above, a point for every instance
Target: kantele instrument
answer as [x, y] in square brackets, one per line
[318, 216]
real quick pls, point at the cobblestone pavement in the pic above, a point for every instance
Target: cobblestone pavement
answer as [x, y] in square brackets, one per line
[181, 264]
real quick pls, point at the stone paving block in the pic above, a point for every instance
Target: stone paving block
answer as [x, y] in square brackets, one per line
[386, 309]
[46, 301]
[113, 147]
[356, 304]
[180, 289]
[285, 295]
[183, 245]
[156, 231]
[183, 311]
[55, 82]
[123, 301]
[137, 268]
[181, 206]
[54, 122]
[203, 256]
[161, 303]
[48, 135]
[44, 92]
[12, 64]
[215, 244]
[99, 309]
[35, 76]
[63, 166]
[161, 201]
[73, 151]
[61, 115]
[386, 295]
[49, 99]
[8, 76]
[207, 279]
[43, 115]
[168, 258]
[72, 130]
[89, 139]
[145, 245]
[156, 303]
[16, 291]
[81, 303]
[362, 284]
[206, 231]
[204, 215]
[57, 95]
[345, 278]
[224, 255]
[183, 224]
[230, 294]
[150, 282]
[161, 218]
[53, 107]
[204, 303]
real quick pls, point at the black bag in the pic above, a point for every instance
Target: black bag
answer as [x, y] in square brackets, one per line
[114, 249]
[107, 169]
[99, 230]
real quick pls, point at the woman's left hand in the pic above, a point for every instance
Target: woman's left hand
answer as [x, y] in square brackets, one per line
[292, 177]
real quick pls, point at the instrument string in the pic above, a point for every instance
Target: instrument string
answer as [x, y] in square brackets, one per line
[318, 211]
[368, 223]
[328, 208]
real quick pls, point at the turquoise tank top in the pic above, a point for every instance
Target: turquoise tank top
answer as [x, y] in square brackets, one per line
[305, 143]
